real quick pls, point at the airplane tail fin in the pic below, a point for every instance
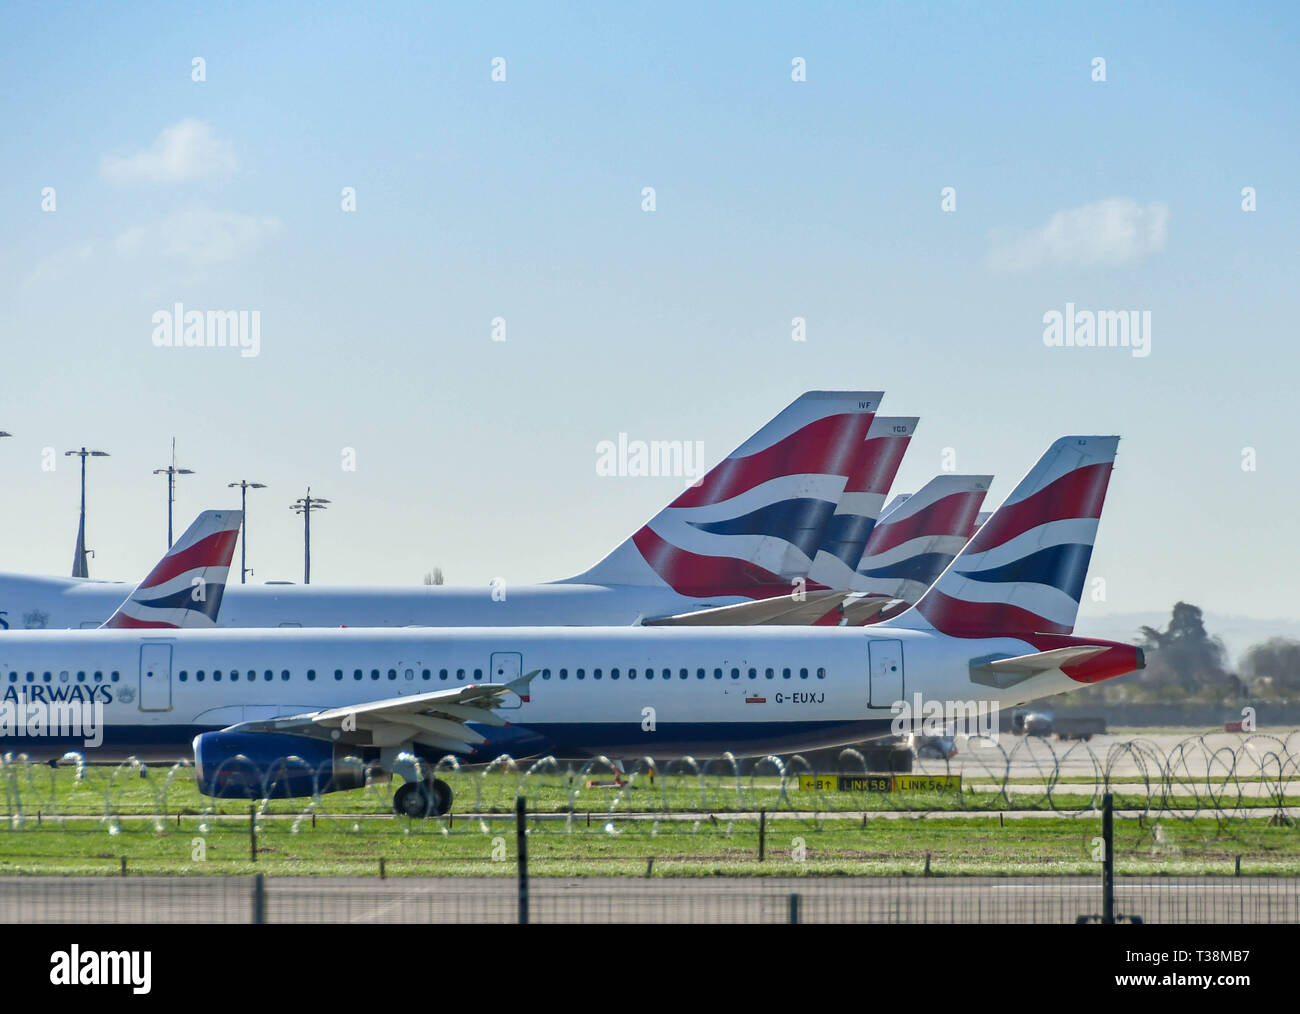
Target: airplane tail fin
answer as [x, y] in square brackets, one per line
[753, 523]
[185, 588]
[1023, 572]
[858, 511]
[910, 548]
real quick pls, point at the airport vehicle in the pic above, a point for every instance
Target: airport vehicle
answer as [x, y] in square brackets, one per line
[295, 712]
[746, 531]
[1083, 728]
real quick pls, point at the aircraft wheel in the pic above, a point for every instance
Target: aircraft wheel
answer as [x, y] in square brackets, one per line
[442, 797]
[412, 800]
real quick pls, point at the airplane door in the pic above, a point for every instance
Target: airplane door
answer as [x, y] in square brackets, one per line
[155, 677]
[886, 672]
[506, 666]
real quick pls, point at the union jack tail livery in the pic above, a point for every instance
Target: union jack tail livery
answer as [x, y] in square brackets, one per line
[754, 522]
[912, 545]
[185, 588]
[1024, 570]
[850, 527]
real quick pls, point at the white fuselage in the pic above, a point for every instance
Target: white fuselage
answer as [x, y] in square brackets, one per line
[626, 691]
[34, 603]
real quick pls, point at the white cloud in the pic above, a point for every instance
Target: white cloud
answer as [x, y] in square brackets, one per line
[198, 236]
[58, 264]
[1116, 230]
[184, 152]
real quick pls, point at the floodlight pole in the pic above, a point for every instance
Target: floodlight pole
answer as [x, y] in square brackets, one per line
[244, 486]
[79, 568]
[304, 506]
[171, 471]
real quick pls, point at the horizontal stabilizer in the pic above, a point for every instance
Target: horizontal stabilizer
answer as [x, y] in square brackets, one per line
[1007, 672]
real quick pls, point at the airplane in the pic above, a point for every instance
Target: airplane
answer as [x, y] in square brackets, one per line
[912, 545]
[296, 712]
[744, 532]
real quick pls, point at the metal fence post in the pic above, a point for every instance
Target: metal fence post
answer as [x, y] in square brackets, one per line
[521, 848]
[252, 834]
[794, 910]
[762, 833]
[1108, 859]
[259, 900]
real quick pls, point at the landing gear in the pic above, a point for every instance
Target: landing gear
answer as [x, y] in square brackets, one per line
[423, 799]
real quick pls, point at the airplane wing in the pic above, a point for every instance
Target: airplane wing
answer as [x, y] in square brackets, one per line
[860, 609]
[1007, 672]
[784, 609]
[438, 719]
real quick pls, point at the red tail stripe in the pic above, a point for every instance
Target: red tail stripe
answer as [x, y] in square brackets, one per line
[215, 550]
[958, 618]
[949, 515]
[826, 446]
[707, 576]
[120, 620]
[1077, 494]
[880, 461]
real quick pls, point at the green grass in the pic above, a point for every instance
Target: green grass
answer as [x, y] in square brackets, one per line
[52, 822]
[338, 847]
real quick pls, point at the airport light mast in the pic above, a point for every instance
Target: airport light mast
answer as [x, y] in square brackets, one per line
[171, 471]
[79, 568]
[304, 506]
[244, 486]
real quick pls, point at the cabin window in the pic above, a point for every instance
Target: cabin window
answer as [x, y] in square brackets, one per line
[785, 674]
[821, 674]
[735, 674]
[31, 677]
[564, 674]
[48, 677]
[357, 674]
[753, 674]
[184, 676]
[234, 675]
[613, 674]
[668, 674]
[546, 674]
[338, 674]
[13, 677]
[803, 674]
[478, 674]
[81, 677]
[595, 674]
[114, 676]
[460, 674]
[216, 675]
[198, 676]
[392, 674]
[426, 674]
[311, 675]
[770, 673]
[99, 677]
[442, 674]
[631, 674]
[267, 676]
[581, 674]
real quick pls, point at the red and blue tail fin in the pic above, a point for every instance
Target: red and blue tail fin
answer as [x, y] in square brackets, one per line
[912, 546]
[185, 588]
[753, 523]
[1024, 570]
[845, 537]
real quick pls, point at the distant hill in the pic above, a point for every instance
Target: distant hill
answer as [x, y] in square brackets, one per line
[1238, 633]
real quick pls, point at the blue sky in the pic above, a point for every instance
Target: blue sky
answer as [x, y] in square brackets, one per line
[522, 199]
